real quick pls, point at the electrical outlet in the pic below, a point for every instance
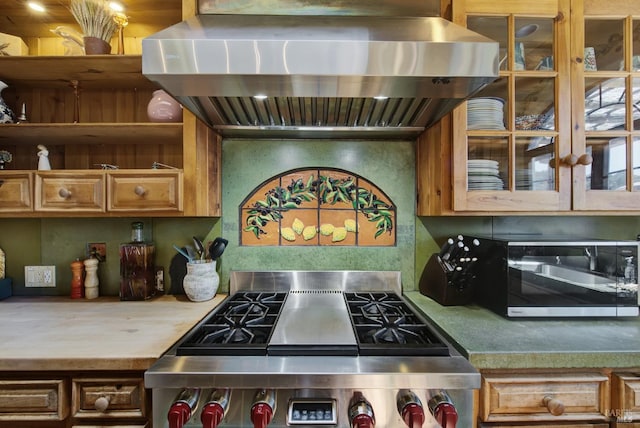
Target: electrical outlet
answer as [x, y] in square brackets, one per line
[40, 276]
[99, 249]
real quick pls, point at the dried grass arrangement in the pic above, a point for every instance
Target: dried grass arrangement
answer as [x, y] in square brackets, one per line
[95, 17]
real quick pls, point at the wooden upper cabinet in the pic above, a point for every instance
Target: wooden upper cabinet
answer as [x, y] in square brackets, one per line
[70, 191]
[508, 139]
[91, 114]
[16, 191]
[605, 61]
[556, 132]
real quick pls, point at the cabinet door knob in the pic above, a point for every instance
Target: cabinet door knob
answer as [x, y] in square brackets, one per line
[585, 159]
[569, 159]
[553, 405]
[140, 191]
[573, 160]
[102, 403]
[64, 193]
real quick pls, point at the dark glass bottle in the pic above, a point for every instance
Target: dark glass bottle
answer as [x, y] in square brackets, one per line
[137, 266]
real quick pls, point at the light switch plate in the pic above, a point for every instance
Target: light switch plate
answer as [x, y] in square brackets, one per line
[39, 276]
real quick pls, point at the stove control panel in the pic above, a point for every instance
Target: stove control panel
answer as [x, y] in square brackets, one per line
[310, 411]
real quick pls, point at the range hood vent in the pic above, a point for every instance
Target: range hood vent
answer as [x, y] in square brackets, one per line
[319, 76]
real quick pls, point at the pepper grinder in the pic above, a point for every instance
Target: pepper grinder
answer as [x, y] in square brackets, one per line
[77, 269]
[91, 280]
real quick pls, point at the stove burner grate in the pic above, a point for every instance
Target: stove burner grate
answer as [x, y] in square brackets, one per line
[385, 325]
[242, 325]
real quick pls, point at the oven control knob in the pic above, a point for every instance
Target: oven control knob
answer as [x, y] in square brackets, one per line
[214, 410]
[361, 413]
[443, 410]
[183, 407]
[410, 408]
[264, 406]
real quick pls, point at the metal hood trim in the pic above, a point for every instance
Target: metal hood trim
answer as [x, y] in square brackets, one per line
[399, 75]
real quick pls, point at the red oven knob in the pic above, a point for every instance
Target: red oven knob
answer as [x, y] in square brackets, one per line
[183, 406]
[214, 410]
[360, 412]
[443, 410]
[264, 406]
[410, 408]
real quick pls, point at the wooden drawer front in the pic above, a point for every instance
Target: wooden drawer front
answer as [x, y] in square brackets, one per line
[147, 190]
[568, 425]
[122, 398]
[514, 398]
[15, 191]
[70, 192]
[111, 426]
[625, 400]
[33, 400]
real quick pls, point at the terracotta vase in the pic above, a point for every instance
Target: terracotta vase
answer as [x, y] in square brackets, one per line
[163, 108]
[96, 46]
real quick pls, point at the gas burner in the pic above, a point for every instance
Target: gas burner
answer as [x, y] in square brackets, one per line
[382, 321]
[242, 325]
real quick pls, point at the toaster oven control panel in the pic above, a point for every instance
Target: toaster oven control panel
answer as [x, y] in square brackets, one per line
[310, 411]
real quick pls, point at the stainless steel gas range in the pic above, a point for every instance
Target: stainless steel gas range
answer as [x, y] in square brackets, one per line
[313, 349]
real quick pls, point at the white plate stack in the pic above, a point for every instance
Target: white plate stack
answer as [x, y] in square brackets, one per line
[523, 179]
[485, 113]
[484, 174]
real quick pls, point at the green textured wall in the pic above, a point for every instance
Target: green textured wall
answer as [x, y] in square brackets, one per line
[390, 165]
[246, 164]
[60, 241]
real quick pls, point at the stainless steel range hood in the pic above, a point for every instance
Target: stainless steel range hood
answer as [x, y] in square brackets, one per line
[351, 68]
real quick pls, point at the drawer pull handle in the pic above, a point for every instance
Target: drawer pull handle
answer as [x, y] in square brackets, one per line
[64, 193]
[102, 403]
[553, 405]
[140, 191]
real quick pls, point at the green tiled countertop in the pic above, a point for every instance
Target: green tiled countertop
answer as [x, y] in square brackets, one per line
[490, 341]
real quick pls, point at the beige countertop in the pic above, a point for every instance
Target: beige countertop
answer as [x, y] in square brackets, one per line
[58, 333]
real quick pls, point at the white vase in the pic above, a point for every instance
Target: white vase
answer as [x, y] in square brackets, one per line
[6, 115]
[201, 281]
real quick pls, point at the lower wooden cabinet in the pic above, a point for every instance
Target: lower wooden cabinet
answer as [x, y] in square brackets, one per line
[33, 400]
[625, 398]
[569, 398]
[67, 400]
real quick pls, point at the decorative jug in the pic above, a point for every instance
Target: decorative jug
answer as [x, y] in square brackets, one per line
[163, 108]
[201, 281]
[6, 115]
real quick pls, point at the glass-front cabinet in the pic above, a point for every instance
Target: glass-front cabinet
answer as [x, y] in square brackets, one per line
[511, 137]
[606, 105]
[559, 130]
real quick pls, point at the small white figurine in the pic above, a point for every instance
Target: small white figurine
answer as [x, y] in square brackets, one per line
[43, 158]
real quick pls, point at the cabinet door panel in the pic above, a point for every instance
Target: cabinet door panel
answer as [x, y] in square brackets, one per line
[70, 191]
[33, 400]
[625, 400]
[108, 398]
[15, 191]
[524, 398]
[145, 190]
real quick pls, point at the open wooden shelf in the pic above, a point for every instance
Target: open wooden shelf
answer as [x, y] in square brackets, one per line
[91, 71]
[91, 133]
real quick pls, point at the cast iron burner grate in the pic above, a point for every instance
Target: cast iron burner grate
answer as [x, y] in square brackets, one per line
[241, 326]
[385, 325]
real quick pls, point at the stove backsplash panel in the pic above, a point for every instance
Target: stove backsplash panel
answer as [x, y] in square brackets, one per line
[253, 168]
